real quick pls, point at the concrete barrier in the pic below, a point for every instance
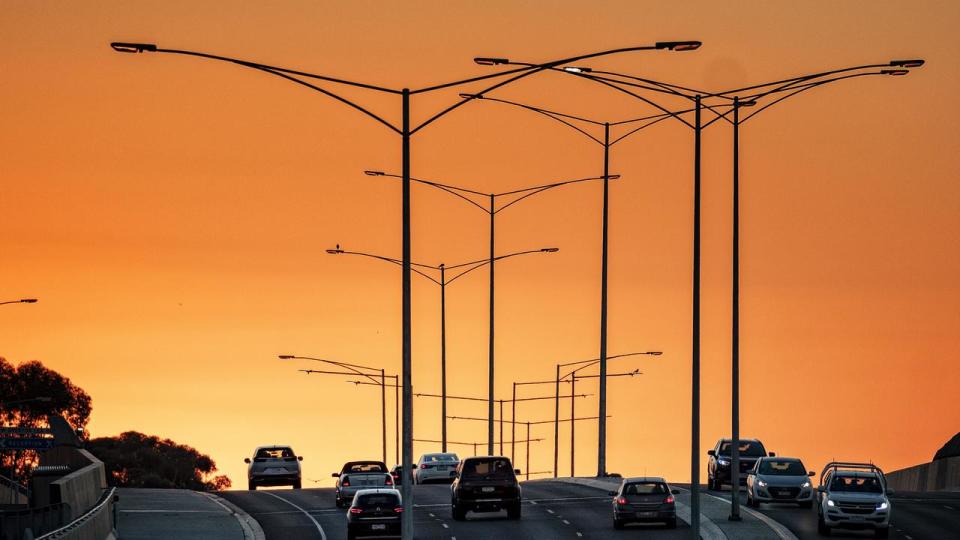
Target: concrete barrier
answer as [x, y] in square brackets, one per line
[97, 523]
[939, 475]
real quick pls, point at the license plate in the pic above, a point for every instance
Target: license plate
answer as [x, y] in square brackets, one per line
[487, 490]
[378, 527]
[442, 468]
[646, 514]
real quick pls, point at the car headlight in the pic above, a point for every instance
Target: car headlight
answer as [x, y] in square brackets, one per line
[883, 506]
[723, 462]
[830, 503]
[761, 483]
[806, 484]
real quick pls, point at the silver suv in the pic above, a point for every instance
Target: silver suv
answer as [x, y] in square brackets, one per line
[779, 480]
[853, 496]
[273, 466]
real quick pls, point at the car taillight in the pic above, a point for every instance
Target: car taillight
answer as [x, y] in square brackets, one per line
[346, 483]
[356, 510]
[423, 465]
[669, 500]
[398, 510]
[389, 481]
[622, 501]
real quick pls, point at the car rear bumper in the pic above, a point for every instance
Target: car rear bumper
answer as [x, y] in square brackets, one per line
[630, 516]
[375, 526]
[488, 504]
[432, 475]
[274, 479]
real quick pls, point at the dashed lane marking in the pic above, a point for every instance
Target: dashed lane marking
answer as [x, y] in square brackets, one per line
[431, 515]
[565, 522]
[579, 533]
[323, 535]
[948, 507]
[445, 526]
[549, 510]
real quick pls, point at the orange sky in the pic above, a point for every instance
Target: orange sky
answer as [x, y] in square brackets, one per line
[171, 215]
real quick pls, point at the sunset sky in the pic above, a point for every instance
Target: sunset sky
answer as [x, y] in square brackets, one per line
[171, 214]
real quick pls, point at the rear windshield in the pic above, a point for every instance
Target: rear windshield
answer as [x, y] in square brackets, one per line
[782, 468]
[434, 458]
[377, 499]
[856, 484]
[747, 448]
[365, 467]
[274, 453]
[493, 468]
[645, 488]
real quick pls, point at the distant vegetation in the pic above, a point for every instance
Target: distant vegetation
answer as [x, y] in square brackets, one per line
[142, 461]
[132, 459]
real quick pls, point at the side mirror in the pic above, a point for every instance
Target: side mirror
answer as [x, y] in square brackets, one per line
[772, 454]
[246, 460]
[516, 471]
[299, 458]
[711, 453]
[335, 475]
[811, 474]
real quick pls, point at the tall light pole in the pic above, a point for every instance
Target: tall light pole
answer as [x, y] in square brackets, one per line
[492, 209]
[406, 131]
[462, 269]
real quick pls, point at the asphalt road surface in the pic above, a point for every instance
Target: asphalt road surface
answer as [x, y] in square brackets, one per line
[921, 516]
[550, 510]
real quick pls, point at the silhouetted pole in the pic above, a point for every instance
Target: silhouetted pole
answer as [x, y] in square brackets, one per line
[735, 337]
[528, 449]
[443, 357]
[695, 383]
[396, 418]
[490, 344]
[383, 411]
[501, 427]
[405, 487]
[556, 425]
[573, 425]
[602, 420]
[513, 424]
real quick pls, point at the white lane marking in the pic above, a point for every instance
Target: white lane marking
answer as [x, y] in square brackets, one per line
[579, 533]
[250, 526]
[948, 507]
[908, 537]
[533, 502]
[323, 535]
[445, 526]
[549, 510]
[561, 499]
[565, 522]
[781, 531]
[433, 516]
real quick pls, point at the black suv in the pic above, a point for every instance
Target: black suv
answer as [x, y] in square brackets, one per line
[375, 512]
[485, 484]
[718, 469]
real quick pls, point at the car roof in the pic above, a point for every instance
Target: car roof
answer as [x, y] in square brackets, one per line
[485, 458]
[376, 491]
[857, 474]
[741, 439]
[635, 479]
[274, 447]
[778, 458]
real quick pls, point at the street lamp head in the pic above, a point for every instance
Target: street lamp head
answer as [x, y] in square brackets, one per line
[471, 96]
[335, 251]
[907, 63]
[550, 250]
[29, 300]
[747, 103]
[374, 173]
[894, 72]
[133, 47]
[485, 61]
[613, 176]
[286, 356]
[654, 353]
[576, 69]
[679, 45]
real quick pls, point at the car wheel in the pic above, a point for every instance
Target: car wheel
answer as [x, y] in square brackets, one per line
[458, 513]
[672, 524]
[513, 511]
[251, 485]
[617, 524]
[882, 533]
[822, 528]
[710, 483]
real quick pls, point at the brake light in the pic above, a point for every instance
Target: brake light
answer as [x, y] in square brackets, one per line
[398, 510]
[346, 482]
[622, 501]
[389, 481]
[669, 500]
[356, 510]
[423, 465]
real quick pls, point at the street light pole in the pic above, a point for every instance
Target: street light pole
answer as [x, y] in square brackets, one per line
[443, 357]
[556, 425]
[602, 420]
[735, 337]
[383, 411]
[695, 384]
[490, 351]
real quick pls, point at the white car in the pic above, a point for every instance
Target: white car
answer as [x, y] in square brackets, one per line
[439, 467]
[779, 480]
[273, 466]
[853, 496]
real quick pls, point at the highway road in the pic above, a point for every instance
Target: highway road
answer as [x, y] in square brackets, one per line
[560, 510]
[550, 510]
[916, 516]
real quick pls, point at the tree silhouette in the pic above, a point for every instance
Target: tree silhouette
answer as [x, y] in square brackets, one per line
[136, 460]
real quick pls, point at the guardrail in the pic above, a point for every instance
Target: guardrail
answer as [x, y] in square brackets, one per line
[15, 523]
[96, 524]
[938, 475]
[12, 492]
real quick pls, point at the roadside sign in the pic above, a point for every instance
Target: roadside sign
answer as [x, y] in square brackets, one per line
[25, 443]
[8, 430]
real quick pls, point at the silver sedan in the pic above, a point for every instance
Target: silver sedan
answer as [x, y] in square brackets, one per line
[435, 468]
